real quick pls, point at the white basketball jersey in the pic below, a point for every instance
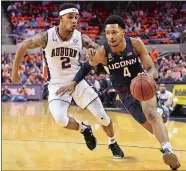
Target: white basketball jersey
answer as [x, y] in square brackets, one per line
[61, 57]
[163, 98]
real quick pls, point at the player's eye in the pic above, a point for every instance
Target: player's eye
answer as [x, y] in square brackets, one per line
[70, 17]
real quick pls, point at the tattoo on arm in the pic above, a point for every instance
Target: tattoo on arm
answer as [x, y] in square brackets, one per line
[88, 43]
[39, 40]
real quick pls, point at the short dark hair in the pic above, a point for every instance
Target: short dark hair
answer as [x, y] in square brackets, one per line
[67, 6]
[115, 19]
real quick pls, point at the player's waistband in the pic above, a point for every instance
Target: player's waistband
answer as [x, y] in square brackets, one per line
[122, 89]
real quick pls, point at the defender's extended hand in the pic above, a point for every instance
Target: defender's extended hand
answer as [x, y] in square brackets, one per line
[90, 53]
[67, 89]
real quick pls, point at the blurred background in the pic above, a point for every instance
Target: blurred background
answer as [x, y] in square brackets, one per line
[161, 26]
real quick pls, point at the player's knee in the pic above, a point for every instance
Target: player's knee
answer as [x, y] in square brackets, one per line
[103, 118]
[63, 122]
[60, 117]
[151, 115]
[105, 121]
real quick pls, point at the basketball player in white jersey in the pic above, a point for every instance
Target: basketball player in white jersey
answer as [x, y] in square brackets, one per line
[166, 99]
[62, 46]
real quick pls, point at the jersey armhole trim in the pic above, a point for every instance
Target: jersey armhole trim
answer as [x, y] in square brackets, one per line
[46, 42]
[81, 40]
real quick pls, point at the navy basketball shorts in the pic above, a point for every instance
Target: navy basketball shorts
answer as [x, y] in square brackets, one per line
[132, 105]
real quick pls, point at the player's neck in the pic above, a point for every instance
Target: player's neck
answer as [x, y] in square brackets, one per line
[120, 48]
[63, 33]
[163, 92]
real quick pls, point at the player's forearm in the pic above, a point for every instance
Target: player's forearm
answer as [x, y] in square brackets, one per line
[88, 43]
[18, 57]
[174, 105]
[82, 73]
[153, 72]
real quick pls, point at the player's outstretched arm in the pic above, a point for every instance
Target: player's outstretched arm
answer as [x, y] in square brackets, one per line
[146, 60]
[97, 56]
[88, 43]
[94, 58]
[39, 40]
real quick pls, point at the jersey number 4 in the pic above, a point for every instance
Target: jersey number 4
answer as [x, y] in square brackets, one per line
[65, 62]
[126, 72]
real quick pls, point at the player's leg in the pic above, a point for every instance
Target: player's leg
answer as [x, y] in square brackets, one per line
[160, 131]
[133, 106]
[58, 109]
[147, 126]
[96, 108]
[161, 110]
[58, 106]
[86, 97]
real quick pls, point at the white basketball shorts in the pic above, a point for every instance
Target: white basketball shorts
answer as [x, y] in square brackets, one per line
[83, 95]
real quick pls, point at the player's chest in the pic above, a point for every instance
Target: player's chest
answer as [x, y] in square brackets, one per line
[121, 61]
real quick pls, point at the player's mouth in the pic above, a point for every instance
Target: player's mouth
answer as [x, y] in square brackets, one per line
[113, 43]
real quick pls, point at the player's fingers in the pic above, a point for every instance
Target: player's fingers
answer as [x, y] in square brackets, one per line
[66, 90]
[142, 73]
[71, 91]
[88, 54]
[139, 73]
[59, 91]
[93, 51]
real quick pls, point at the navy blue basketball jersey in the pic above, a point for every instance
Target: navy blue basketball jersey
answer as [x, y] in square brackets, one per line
[123, 67]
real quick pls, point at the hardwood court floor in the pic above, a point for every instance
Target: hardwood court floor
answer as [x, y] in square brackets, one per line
[32, 141]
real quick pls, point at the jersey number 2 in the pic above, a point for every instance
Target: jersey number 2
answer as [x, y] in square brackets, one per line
[126, 72]
[65, 62]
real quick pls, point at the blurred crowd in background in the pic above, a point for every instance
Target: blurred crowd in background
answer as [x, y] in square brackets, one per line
[154, 22]
[171, 69]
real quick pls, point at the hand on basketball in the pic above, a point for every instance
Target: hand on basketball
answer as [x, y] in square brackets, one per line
[144, 74]
[90, 53]
[66, 89]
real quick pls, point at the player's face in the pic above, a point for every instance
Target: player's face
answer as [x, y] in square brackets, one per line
[114, 34]
[70, 21]
[162, 88]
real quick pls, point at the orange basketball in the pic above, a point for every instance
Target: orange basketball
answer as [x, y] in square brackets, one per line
[143, 88]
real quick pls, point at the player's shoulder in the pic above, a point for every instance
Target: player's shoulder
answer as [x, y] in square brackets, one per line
[136, 41]
[52, 29]
[168, 93]
[77, 31]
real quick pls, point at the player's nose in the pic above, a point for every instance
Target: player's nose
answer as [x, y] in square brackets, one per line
[111, 38]
[74, 21]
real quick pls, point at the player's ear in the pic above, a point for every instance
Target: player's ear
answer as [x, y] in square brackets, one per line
[61, 18]
[123, 31]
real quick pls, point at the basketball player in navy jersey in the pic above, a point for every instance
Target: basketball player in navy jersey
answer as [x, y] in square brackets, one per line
[121, 55]
[62, 45]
